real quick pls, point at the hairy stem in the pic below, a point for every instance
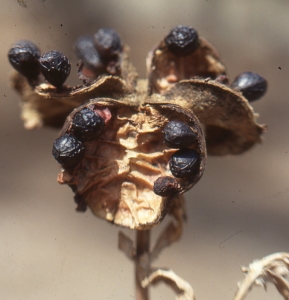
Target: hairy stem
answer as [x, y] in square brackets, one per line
[142, 247]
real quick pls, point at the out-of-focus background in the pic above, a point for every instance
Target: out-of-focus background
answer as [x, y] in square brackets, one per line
[238, 211]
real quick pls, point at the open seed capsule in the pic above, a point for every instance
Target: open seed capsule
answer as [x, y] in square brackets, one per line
[87, 125]
[68, 150]
[55, 67]
[124, 175]
[24, 56]
[252, 85]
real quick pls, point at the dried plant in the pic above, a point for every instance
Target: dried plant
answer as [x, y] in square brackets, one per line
[130, 148]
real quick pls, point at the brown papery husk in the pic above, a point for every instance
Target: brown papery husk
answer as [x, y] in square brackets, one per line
[116, 175]
[166, 69]
[228, 118]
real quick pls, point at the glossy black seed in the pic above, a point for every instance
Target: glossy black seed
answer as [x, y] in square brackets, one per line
[252, 85]
[55, 67]
[182, 40]
[24, 56]
[178, 135]
[165, 186]
[87, 124]
[184, 163]
[85, 50]
[107, 41]
[68, 150]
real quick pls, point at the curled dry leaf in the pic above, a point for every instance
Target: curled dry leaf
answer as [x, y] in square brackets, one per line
[273, 268]
[115, 178]
[181, 287]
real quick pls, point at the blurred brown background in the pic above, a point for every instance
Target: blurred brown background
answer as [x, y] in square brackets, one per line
[239, 210]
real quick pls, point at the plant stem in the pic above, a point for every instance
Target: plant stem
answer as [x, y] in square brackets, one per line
[142, 247]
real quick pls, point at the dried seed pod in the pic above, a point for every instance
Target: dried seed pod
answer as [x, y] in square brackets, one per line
[87, 125]
[182, 40]
[108, 43]
[165, 67]
[122, 166]
[55, 67]
[24, 56]
[229, 120]
[178, 135]
[252, 85]
[68, 150]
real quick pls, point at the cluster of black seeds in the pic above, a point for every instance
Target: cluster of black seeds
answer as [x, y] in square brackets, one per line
[25, 57]
[69, 149]
[97, 52]
[183, 163]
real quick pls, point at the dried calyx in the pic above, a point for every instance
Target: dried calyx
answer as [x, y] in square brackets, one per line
[135, 145]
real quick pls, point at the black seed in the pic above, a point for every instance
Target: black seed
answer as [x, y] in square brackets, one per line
[68, 150]
[166, 186]
[85, 50]
[182, 40]
[87, 125]
[184, 163]
[252, 85]
[107, 42]
[178, 135]
[24, 56]
[55, 67]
